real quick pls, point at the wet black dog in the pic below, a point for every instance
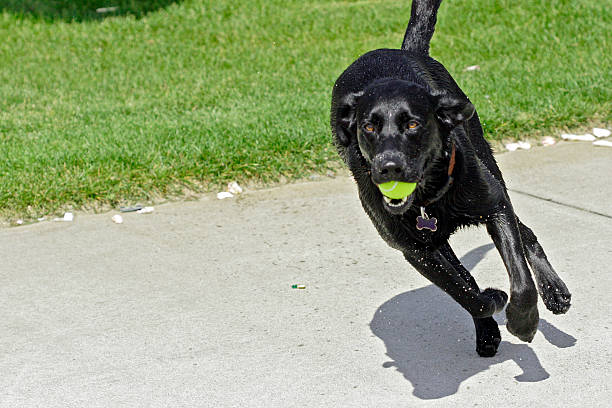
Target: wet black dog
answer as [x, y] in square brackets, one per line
[398, 115]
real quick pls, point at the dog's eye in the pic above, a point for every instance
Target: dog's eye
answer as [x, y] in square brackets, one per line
[413, 124]
[369, 127]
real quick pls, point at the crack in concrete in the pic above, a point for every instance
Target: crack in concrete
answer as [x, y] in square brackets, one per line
[550, 200]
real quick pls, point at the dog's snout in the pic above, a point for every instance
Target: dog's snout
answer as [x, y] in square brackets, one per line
[388, 168]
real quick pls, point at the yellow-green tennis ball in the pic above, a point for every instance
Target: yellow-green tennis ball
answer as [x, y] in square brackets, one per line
[397, 189]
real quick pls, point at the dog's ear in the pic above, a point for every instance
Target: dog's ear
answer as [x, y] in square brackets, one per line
[451, 111]
[346, 118]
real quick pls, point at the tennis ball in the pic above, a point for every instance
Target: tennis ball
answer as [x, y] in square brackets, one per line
[397, 189]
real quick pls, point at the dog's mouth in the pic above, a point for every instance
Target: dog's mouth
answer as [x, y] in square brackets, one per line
[397, 206]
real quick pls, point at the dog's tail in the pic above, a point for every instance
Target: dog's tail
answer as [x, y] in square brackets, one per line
[421, 26]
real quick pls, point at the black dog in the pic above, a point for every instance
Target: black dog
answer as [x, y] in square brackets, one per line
[398, 115]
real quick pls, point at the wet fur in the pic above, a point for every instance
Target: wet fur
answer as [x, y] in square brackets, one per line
[476, 196]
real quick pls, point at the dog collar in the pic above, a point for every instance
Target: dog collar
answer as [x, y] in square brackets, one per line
[451, 163]
[449, 181]
[431, 223]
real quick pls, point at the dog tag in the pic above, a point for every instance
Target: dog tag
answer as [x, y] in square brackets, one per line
[424, 222]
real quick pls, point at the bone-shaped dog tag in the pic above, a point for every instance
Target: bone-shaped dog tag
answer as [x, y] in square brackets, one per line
[424, 222]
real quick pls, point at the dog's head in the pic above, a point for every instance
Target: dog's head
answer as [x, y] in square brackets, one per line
[401, 130]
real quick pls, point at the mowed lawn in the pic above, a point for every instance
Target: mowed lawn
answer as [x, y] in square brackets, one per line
[188, 96]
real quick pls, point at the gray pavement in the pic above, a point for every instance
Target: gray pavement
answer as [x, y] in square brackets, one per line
[192, 306]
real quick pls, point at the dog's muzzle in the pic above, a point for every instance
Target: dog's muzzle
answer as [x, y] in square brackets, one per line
[392, 166]
[388, 167]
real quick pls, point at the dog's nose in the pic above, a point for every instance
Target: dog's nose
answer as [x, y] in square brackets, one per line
[391, 168]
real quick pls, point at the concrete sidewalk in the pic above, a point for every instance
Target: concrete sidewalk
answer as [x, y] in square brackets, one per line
[192, 306]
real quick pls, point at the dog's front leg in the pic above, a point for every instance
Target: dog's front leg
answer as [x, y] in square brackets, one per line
[522, 310]
[552, 289]
[488, 336]
[435, 267]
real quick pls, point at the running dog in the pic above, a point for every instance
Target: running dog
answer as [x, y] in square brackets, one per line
[398, 115]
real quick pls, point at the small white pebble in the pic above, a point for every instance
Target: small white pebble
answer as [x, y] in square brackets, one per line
[583, 138]
[234, 188]
[599, 132]
[67, 217]
[512, 146]
[107, 9]
[603, 143]
[473, 68]
[524, 145]
[224, 194]
[117, 219]
[548, 141]
[146, 210]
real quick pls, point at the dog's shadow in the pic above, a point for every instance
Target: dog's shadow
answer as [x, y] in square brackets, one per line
[431, 340]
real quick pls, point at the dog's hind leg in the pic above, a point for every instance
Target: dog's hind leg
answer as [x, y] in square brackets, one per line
[553, 291]
[488, 336]
[435, 267]
[522, 309]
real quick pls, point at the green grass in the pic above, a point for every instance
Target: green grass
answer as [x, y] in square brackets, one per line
[81, 10]
[96, 112]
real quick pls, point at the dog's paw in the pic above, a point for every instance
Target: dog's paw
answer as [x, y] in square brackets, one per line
[555, 295]
[488, 336]
[499, 298]
[522, 322]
